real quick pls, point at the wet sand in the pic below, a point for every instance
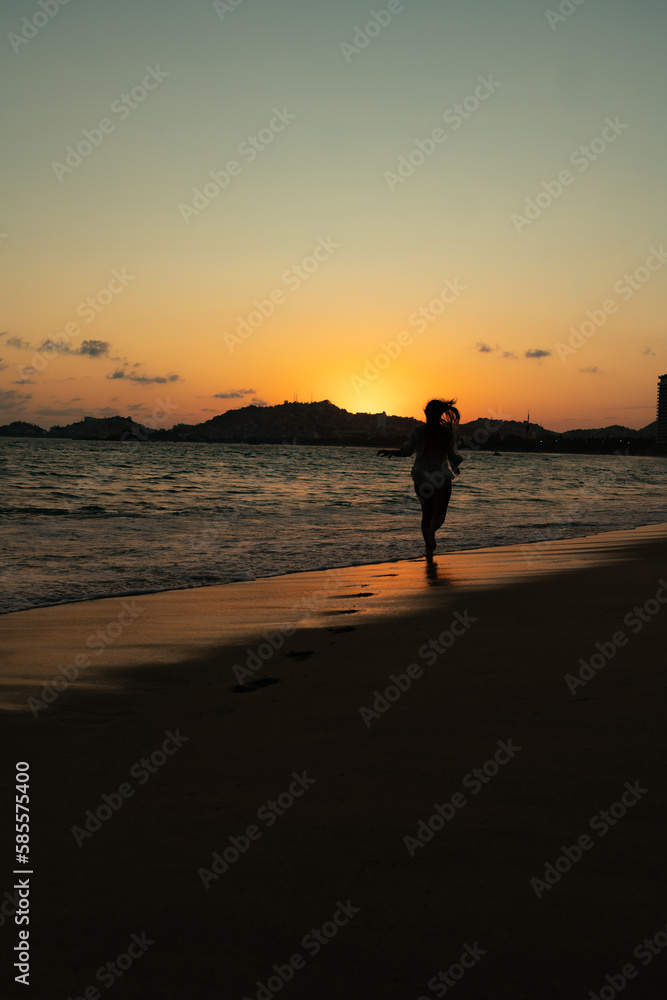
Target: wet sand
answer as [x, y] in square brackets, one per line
[267, 712]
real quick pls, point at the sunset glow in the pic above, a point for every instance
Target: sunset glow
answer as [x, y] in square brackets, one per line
[243, 204]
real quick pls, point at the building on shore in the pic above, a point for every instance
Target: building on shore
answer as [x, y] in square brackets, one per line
[661, 429]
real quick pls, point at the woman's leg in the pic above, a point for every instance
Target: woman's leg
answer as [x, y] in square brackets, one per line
[440, 503]
[427, 519]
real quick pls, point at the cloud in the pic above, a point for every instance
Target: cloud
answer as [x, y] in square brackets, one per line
[2, 365]
[648, 350]
[234, 394]
[10, 399]
[144, 379]
[259, 402]
[54, 411]
[591, 370]
[511, 354]
[537, 352]
[87, 348]
[22, 345]
[483, 348]
[137, 406]
[94, 348]
[24, 381]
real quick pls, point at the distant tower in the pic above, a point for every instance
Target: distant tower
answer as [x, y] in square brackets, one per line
[382, 421]
[661, 430]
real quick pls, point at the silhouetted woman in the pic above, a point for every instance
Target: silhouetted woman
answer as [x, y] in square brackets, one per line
[436, 463]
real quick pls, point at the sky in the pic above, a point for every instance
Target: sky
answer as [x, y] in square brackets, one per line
[208, 205]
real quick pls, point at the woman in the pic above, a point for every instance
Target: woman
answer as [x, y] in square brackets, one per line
[435, 464]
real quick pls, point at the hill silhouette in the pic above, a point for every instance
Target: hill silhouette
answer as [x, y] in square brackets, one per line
[325, 423]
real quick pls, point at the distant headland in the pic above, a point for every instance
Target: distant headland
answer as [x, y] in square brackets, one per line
[324, 423]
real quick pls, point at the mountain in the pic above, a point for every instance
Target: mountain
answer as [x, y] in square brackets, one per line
[321, 422]
[19, 428]
[325, 423]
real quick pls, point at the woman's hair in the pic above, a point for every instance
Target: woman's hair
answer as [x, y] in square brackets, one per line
[441, 413]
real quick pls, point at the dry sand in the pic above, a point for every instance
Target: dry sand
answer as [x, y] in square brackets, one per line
[164, 663]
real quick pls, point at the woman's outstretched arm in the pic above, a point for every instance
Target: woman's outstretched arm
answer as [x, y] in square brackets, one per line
[407, 449]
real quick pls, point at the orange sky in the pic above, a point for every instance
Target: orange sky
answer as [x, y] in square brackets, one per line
[241, 210]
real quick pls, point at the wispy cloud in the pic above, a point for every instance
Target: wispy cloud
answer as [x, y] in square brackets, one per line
[537, 352]
[484, 348]
[511, 354]
[86, 349]
[648, 350]
[591, 370]
[22, 345]
[144, 379]
[74, 412]
[235, 394]
[259, 402]
[10, 399]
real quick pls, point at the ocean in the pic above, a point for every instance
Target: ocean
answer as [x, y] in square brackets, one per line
[88, 519]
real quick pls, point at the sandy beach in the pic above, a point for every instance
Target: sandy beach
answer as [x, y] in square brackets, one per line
[380, 782]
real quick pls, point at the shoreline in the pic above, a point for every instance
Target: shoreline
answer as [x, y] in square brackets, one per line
[86, 646]
[537, 544]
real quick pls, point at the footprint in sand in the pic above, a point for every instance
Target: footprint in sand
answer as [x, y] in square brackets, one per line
[254, 685]
[347, 597]
[300, 654]
[342, 628]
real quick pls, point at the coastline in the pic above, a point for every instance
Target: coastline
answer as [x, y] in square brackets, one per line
[94, 638]
[510, 631]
